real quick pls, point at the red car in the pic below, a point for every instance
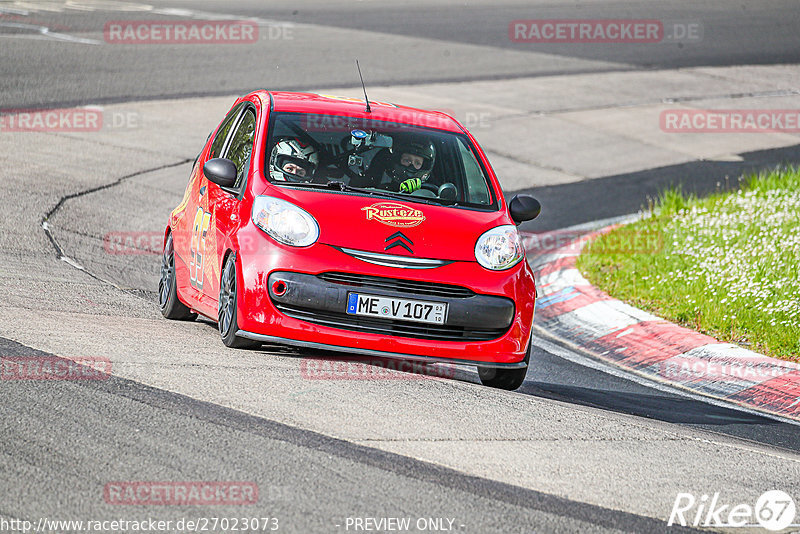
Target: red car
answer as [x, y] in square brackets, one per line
[367, 228]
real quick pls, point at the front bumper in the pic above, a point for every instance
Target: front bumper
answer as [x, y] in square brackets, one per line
[493, 331]
[369, 352]
[323, 299]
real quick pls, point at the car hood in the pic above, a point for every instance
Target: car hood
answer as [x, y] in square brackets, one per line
[397, 227]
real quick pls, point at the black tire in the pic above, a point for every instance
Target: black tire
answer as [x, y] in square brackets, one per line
[171, 307]
[226, 317]
[509, 379]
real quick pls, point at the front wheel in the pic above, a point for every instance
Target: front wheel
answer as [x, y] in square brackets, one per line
[227, 322]
[509, 379]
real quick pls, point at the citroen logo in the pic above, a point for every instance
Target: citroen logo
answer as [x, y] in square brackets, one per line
[398, 239]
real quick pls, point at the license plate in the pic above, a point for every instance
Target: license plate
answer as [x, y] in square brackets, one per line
[419, 311]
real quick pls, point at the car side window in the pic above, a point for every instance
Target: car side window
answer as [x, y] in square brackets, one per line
[219, 140]
[241, 145]
[477, 190]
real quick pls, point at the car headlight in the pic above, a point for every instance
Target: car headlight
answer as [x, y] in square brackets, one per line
[499, 248]
[284, 222]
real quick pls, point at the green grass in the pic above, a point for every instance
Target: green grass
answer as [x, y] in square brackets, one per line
[727, 265]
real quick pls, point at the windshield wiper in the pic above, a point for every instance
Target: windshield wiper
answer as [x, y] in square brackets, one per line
[338, 185]
[341, 186]
[300, 184]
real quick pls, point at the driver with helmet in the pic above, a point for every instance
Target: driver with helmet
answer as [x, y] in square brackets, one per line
[409, 165]
[404, 168]
[293, 160]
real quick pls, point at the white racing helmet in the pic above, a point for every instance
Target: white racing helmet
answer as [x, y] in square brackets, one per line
[293, 160]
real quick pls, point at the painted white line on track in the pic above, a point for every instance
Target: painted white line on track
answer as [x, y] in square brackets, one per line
[13, 11]
[44, 32]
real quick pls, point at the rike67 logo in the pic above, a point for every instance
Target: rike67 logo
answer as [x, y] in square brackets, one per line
[774, 510]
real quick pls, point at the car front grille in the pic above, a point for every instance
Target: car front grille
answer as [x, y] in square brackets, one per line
[412, 287]
[390, 326]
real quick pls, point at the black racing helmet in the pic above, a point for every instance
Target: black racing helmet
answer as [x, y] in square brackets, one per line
[411, 158]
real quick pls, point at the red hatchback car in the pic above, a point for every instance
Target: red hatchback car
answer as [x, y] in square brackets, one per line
[372, 229]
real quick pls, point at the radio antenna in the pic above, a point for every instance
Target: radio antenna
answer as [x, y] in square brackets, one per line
[367, 109]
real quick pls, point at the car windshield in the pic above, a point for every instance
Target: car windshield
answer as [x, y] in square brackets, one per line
[376, 157]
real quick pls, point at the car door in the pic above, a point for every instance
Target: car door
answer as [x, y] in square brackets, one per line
[224, 203]
[191, 239]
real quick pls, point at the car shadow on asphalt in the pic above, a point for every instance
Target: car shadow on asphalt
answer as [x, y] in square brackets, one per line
[552, 378]
[670, 409]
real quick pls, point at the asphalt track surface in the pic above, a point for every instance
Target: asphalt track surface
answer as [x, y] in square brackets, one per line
[302, 475]
[54, 456]
[32, 74]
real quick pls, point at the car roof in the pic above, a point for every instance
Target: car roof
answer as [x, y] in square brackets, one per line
[284, 101]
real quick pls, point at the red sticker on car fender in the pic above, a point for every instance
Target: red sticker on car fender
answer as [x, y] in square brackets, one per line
[394, 214]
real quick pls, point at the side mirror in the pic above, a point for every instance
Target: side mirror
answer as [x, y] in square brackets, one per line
[524, 208]
[221, 171]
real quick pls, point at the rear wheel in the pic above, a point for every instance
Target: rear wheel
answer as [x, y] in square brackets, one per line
[226, 320]
[509, 379]
[169, 304]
